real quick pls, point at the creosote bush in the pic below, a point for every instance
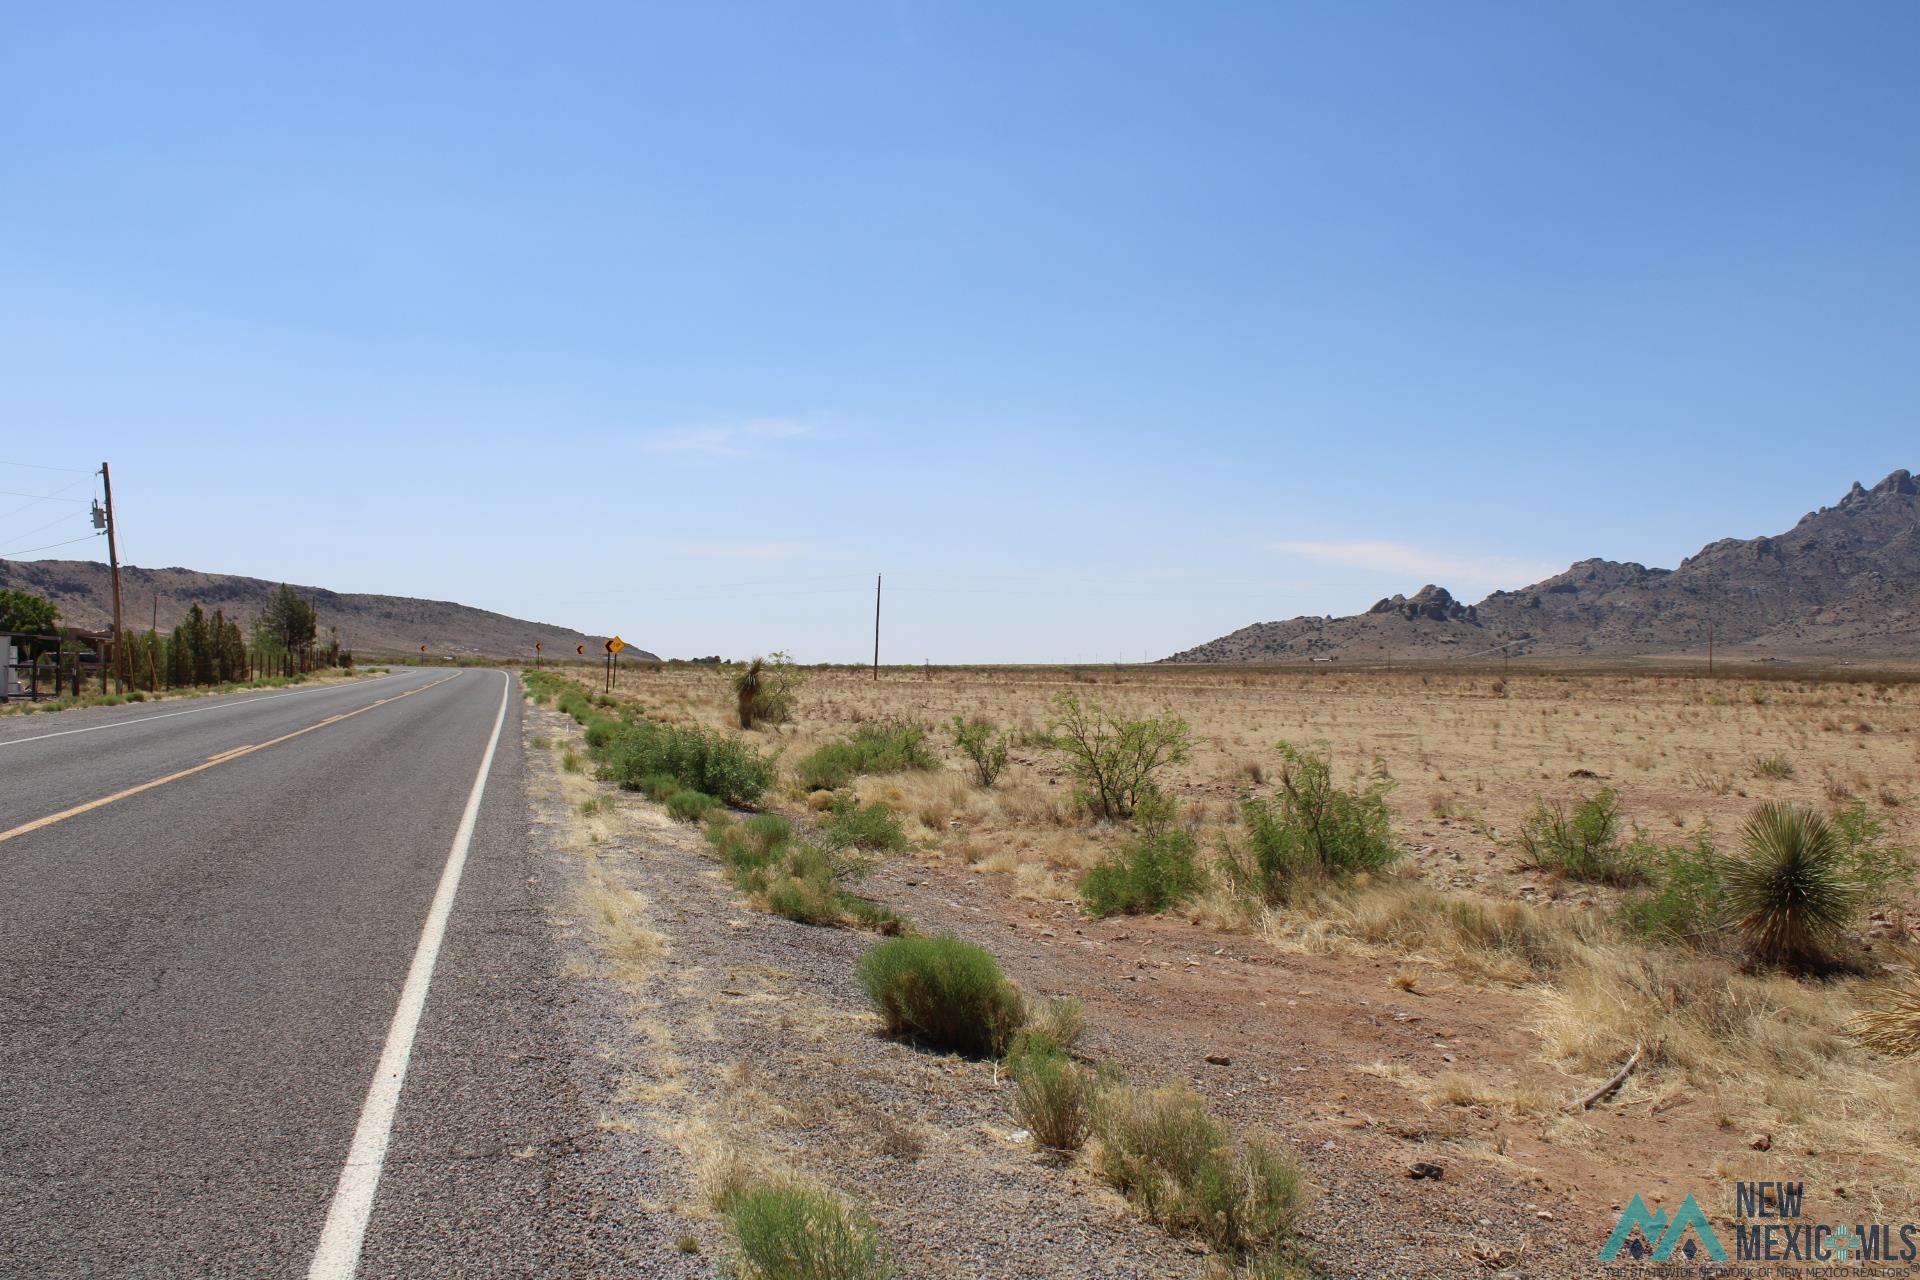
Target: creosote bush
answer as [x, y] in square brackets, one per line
[1583, 844]
[1146, 876]
[1115, 761]
[1312, 829]
[880, 746]
[981, 744]
[793, 1232]
[942, 992]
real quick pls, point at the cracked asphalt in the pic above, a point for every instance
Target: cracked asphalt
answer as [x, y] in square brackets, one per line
[197, 978]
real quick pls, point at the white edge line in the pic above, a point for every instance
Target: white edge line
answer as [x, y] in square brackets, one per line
[191, 711]
[338, 1255]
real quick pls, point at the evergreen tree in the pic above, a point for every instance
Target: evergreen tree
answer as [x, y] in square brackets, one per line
[199, 652]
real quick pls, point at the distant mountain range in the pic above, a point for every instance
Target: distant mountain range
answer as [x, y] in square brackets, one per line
[1842, 583]
[369, 625]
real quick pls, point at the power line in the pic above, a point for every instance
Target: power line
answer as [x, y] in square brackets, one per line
[36, 466]
[6, 555]
[28, 533]
[43, 497]
[39, 498]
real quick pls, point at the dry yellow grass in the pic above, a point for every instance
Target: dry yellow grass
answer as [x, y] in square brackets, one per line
[1468, 759]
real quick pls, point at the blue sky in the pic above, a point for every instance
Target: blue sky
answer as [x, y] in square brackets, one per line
[1101, 329]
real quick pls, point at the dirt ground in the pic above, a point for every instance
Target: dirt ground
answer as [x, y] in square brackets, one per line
[1371, 1055]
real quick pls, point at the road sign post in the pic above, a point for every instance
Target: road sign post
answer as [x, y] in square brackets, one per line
[536, 654]
[614, 646]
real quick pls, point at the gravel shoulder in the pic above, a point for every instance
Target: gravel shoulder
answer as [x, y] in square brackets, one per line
[728, 1038]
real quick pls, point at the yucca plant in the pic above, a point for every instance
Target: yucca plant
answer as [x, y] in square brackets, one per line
[1790, 895]
[1889, 1022]
[746, 690]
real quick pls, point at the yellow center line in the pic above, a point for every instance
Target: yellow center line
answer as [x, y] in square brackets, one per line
[219, 758]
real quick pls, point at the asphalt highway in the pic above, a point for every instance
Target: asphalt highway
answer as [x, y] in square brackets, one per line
[209, 913]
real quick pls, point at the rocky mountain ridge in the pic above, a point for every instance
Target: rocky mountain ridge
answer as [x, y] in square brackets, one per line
[1843, 583]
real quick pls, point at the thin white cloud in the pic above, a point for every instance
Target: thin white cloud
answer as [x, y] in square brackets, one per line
[762, 551]
[728, 439]
[1421, 565]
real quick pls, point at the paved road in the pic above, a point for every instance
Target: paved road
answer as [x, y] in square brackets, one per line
[208, 912]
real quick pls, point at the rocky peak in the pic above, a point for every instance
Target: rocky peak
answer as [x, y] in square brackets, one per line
[1430, 601]
[1898, 482]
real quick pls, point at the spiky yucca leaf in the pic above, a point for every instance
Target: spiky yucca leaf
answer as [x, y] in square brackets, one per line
[1789, 895]
[1889, 1020]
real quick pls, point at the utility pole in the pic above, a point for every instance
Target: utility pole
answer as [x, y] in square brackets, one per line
[1709, 648]
[876, 628]
[113, 558]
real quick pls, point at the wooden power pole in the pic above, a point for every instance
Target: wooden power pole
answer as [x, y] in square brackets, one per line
[876, 628]
[113, 558]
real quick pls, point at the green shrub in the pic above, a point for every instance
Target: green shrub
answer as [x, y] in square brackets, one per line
[804, 900]
[1312, 828]
[1115, 761]
[686, 805]
[799, 1233]
[1051, 1097]
[1790, 895]
[803, 882]
[1877, 867]
[943, 992]
[870, 827]
[1582, 845]
[719, 765]
[1164, 1151]
[880, 746]
[1146, 877]
[978, 741]
[1773, 766]
[1687, 901]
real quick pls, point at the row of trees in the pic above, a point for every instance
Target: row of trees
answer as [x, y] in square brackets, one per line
[202, 649]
